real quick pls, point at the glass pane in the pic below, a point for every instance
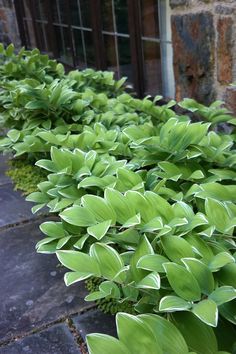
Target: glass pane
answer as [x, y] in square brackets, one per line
[85, 13]
[74, 13]
[152, 67]
[149, 18]
[78, 45]
[27, 9]
[90, 55]
[55, 14]
[63, 41]
[63, 11]
[41, 9]
[121, 11]
[40, 29]
[109, 44]
[30, 38]
[107, 17]
[125, 57]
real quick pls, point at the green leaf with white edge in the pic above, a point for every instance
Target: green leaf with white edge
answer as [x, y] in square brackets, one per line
[227, 275]
[48, 136]
[37, 207]
[10, 50]
[166, 334]
[173, 303]
[80, 243]
[99, 207]
[62, 204]
[151, 281]
[127, 179]
[48, 248]
[206, 311]
[176, 248]
[60, 159]
[159, 205]
[99, 230]
[108, 259]
[202, 274]
[78, 216]
[228, 311]
[96, 295]
[44, 241]
[102, 343]
[62, 242]
[153, 262]
[119, 203]
[109, 288]
[135, 220]
[106, 289]
[53, 229]
[129, 236]
[198, 336]
[220, 260]
[142, 249]
[182, 282]
[223, 294]
[153, 225]
[217, 214]
[14, 135]
[74, 277]
[37, 197]
[99, 182]
[144, 341]
[79, 262]
[47, 165]
[200, 247]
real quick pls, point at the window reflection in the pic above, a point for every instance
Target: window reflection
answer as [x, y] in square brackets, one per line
[116, 37]
[90, 55]
[125, 58]
[149, 18]
[111, 61]
[85, 12]
[152, 67]
[107, 16]
[121, 16]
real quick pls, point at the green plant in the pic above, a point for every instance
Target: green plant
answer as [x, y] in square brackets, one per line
[146, 203]
[108, 305]
[27, 64]
[156, 335]
[25, 175]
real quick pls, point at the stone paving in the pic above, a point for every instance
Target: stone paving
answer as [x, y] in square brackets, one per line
[38, 313]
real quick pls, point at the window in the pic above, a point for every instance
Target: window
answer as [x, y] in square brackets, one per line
[130, 37]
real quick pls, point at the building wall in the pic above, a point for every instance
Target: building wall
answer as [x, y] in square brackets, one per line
[204, 46]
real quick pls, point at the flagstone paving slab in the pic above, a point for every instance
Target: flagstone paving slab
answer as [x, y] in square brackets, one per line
[95, 321]
[33, 292]
[3, 168]
[54, 340]
[13, 207]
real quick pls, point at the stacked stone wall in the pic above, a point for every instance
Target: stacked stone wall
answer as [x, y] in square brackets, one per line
[204, 43]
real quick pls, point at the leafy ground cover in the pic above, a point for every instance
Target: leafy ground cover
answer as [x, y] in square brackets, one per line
[145, 199]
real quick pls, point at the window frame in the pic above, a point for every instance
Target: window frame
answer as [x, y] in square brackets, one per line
[135, 35]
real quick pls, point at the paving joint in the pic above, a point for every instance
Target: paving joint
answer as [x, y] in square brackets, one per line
[24, 222]
[77, 336]
[64, 319]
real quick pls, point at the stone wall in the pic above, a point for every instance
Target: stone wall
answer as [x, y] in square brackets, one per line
[204, 44]
[8, 24]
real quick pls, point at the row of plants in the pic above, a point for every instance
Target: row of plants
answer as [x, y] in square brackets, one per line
[145, 199]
